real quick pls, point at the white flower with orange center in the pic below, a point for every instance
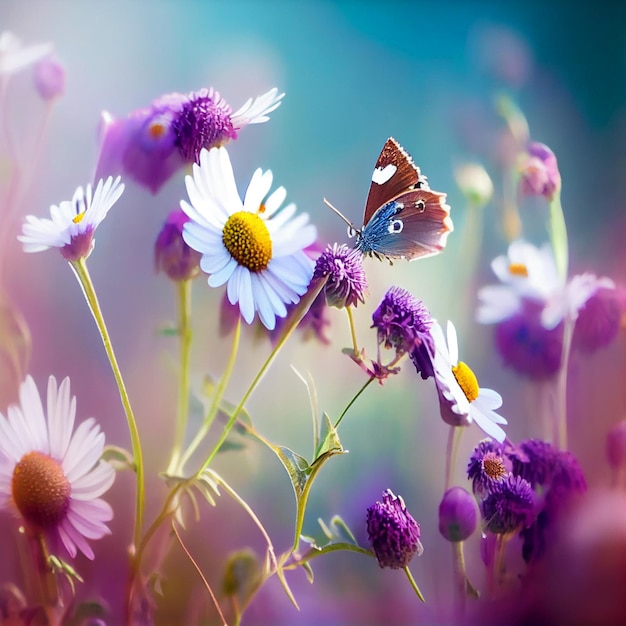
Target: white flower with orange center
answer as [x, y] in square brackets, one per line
[72, 224]
[253, 247]
[50, 477]
[461, 400]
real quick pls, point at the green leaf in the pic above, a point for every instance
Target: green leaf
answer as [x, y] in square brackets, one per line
[330, 443]
[119, 458]
[15, 350]
[297, 467]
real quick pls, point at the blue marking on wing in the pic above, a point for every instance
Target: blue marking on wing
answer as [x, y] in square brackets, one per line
[375, 234]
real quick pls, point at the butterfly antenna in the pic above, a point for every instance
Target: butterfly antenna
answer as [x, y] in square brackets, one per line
[342, 216]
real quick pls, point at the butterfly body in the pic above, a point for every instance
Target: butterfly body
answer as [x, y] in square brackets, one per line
[403, 217]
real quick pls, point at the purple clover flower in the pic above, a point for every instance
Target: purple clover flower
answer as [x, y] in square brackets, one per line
[346, 282]
[599, 321]
[509, 506]
[402, 321]
[393, 532]
[457, 515]
[172, 255]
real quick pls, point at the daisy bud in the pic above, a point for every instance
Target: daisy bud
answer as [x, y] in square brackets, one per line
[346, 283]
[474, 183]
[539, 171]
[172, 255]
[457, 515]
[392, 531]
[49, 78]
[616, 445]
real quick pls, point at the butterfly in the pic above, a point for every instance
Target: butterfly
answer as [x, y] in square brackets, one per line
[404, 217]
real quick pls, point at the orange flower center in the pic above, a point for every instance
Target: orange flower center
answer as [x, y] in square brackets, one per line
[41, 490]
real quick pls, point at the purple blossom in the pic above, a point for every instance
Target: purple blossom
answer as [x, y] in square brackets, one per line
[457, 515]
[616, 445]
[402, 321]
[599, 321]
[49, 78]
[527, 347]
[346, 282]
[509, 506]
[539, 171]
[393, 532]
[487, 464]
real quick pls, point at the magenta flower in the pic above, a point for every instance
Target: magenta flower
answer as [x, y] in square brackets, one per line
[539, 171]
[172, 255]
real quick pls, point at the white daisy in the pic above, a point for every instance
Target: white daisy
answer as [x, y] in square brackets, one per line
[251, 246]
[72, 224]
[530, 273]
[461, 400]
[15, 57]
[50, 477]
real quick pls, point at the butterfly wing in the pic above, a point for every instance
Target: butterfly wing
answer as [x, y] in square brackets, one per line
[416, 224]
[394, 174]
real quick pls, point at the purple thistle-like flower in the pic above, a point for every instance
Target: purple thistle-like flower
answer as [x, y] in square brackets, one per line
[346, 283]
[457, 515]
[172, 255]
[401, 320]
[487, 464]
[393, 532]
[599, 321]
[509, 506]
[527, 347]
[204, 121]
[539, 171]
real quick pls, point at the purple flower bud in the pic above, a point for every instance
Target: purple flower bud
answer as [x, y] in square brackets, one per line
[49, 78]
[392, 531]
[172, 255]
[457, 515]
[539, 172]
[346, 283]
[401, 320]
[509, 507]
[616, 445]
[599, 321]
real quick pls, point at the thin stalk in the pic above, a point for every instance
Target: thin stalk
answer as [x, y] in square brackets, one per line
[355, 344]
[217, 399]
[407, 571]
[82, 274]
[452, 448]
[358, 393]
[561, 427]
[183, 289]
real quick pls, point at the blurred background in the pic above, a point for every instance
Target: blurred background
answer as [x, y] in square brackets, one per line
[354, 73]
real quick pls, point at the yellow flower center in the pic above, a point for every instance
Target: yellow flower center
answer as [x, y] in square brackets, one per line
[494, 467]
[518, 269]
[467, 380]
[40, 490]
[248, 240]
[78, 218]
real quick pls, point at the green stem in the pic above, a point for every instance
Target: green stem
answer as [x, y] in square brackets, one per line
[558, 235]
[407, 571]
[184, 332]
[82, 274]
[358, 393]
[561, 414]
[216, 402]
[452, 448]
[355, 344]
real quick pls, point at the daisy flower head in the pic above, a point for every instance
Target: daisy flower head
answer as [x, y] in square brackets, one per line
[15, 57]
[72, 223]
[461, 400]
[530, 275]
[53, 478]
[251, 246]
